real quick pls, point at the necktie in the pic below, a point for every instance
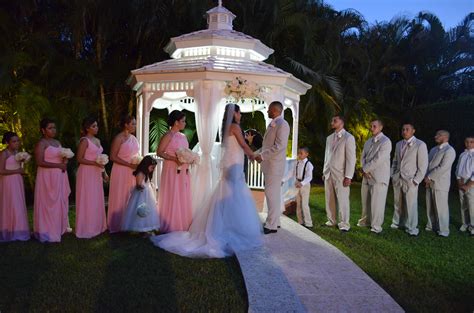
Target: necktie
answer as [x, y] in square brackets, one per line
[404, 148]
[334, 142]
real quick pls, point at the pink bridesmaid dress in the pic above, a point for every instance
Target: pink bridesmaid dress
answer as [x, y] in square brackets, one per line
[51, 199]
[174, 201]
[90, 206]
[13, 216]
[122, 183]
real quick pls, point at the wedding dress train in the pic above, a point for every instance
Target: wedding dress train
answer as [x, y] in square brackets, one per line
[229, 222]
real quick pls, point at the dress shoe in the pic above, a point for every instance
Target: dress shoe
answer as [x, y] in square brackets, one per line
[267, 231]
[393, 226]
[463, 228]
[375, 231]
[329, 224]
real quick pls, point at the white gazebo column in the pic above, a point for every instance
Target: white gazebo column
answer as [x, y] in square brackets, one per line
[147, 106]
[139, 133]
[295, 113]
[207, 97]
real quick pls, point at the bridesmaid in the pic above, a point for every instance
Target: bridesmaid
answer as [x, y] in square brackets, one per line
[13, 217]
[90, 206]
[124, 147]
[51, 188]
[175, 191]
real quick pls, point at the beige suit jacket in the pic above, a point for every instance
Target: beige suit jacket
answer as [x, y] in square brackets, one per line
[413, 165]
[340, 159]
[273, 149]
[439, 167]
[375, 159]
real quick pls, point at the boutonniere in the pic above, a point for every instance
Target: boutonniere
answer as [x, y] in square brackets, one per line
[411, 143]
[273, 124]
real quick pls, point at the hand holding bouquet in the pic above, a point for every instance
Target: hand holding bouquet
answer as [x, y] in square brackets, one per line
[102, 159]
[136, 159]
[186, 156]
[22, 157]
[66, 153]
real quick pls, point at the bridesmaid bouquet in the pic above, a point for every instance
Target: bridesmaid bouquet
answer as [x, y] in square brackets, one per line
[66, 153]
[186, 156]
[102, 159]
[136, 159]
[22, 157]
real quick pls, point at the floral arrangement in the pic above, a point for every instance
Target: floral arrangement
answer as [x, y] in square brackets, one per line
[22, 157]
[186, 156]
[136, 159]
[66, 153]
[102, 159]
[240, 88]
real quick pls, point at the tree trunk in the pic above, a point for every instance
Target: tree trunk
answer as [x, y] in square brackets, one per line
[102, 104]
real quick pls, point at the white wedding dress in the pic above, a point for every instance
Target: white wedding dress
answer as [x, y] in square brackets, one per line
[230, 221]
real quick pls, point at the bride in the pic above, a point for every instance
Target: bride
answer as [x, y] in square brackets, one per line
[230, 222]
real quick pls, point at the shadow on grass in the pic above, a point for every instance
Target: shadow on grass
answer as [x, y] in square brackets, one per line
[19, 273]
[138, 278]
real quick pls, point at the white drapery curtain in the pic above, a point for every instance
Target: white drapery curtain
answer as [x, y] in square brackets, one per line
[207, 97]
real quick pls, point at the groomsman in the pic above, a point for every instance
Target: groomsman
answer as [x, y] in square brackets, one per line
[465, 177]
[339, 166]
[408, 171]
[437, 182]
[375, 161]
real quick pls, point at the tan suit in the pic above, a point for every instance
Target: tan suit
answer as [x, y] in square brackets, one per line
[465, 172]
[375, 161]
[441, 159]
[273, 154]
[339, 163]
[408, 171]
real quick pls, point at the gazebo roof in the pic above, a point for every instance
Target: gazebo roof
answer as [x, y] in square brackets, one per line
[217, 49]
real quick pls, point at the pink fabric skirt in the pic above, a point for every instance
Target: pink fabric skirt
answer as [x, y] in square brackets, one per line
[90, 206]
[13, 216]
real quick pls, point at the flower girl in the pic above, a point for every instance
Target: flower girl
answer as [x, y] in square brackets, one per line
[141, 214]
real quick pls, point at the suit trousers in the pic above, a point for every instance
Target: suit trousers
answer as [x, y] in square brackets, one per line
[437, 210]
[337, 196]
[406, 208]
[373, 205]
[467, 206]
[274, 200]
[302, 205]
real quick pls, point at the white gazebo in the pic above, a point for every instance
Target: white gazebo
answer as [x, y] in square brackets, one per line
[201, 64]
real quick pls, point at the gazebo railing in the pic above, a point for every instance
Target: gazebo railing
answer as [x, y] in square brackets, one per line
[255, 177]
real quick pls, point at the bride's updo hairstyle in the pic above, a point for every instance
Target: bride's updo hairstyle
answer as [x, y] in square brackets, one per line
[174, 116]
[226, 114]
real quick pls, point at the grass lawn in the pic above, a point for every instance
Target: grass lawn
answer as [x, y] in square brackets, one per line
[423, 274]
[114, 273]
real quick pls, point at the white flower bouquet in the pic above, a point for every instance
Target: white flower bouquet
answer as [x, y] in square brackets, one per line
[22, 157]
[241, 89]
[102, 159]
[186, 156]
[136, 159]
[66, 153]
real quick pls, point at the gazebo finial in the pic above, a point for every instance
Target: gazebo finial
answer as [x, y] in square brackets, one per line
[219, 3]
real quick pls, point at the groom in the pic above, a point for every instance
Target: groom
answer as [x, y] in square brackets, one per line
[272, 156]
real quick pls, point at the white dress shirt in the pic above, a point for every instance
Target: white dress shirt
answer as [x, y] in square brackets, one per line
[308, 174]
[465, 168]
